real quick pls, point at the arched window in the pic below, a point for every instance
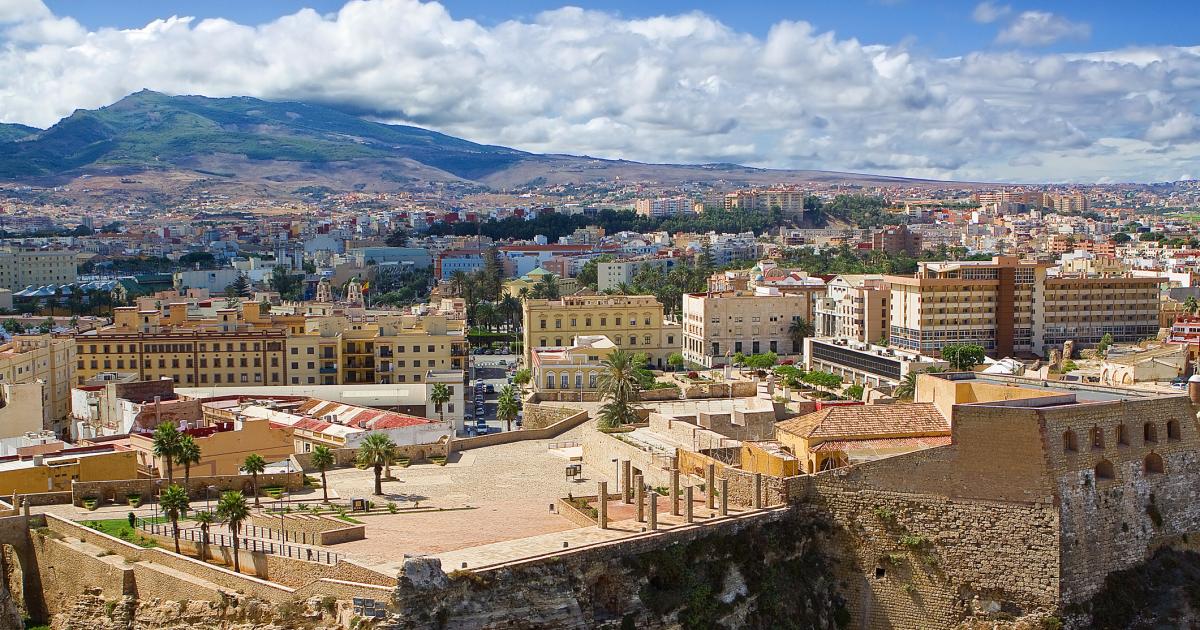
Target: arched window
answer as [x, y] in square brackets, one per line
[633, 340]
[1104, 470]
[549, 380]
[1070, 443]
[1122, 435]
[1149, 433]
[1097, 438]
[1153, 464]
[1172, 429]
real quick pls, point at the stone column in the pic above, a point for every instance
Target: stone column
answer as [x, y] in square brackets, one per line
[758, 502]
[653, 511]
[626, 478]
[724, 497]
[710, 485]
[639, 494]
[687, 497]
[602, 504]
[674, 492]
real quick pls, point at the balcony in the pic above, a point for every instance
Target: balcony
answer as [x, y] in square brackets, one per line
[328, 370]
[385, 353]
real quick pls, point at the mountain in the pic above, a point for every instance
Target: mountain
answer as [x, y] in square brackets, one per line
[247, 145]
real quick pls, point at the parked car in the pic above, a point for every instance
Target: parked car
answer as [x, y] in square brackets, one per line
[491, 389]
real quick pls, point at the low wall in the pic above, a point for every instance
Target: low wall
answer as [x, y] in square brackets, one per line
[308, 529]
[346, 457]
[118, 491]
[537, 416]
[599, 449]
[666, 393]
[567, 423]
[741, 389]
[62, 497]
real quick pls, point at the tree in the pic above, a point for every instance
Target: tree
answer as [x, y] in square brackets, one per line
[761, 361]
[676, 361]
[376, 451]
[1106, 342]
[166, 443]
[799, 330]
[510, 307]
[1191, 306]
[907, 389]
[398, 238]
[485, 315]
[187, 455]
[254, 465]
[239, 288]
[322, 460]
[439, 396]
[205, 520]
[963, 357]
[618, 385]
[492, 275]
[854, 392]
[507, 406]
[174, 502]
[588, 275]
[233, 510]
[13, 327]
[286, 284]
[545, 289]
[521, 377]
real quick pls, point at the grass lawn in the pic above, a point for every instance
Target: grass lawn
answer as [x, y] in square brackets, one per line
[119, 528]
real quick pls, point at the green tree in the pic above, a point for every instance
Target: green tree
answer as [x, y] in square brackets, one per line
[439, 396]
[799, 330]
[398, 238]
[1106, 342]
[187, 455]
[286, 284]
[322, 460]
[907, 389]
[239, 288]
[545, 289]
[588, 274]
[205, 520]
[854, 392]
[676, 361]
[761, 361]
[522, 376]
[1120, 238]
[618, 386]
[1191, 306]
[166, 441]
[507, 406]
[232, 509]
[963, 357]
[376, 451]
[253, 465]
[13, 327]
[174, 502]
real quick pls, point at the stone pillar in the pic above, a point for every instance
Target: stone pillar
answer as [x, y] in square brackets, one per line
[724, 497]
[602, 504]
[653, 511]
[674, 492]
[687, 497]
[626, 478]
[639, 494]
[758, 498]
[710, 485]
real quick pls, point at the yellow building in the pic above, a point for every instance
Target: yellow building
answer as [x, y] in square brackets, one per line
[633, 322]
[221, 452]
[54, 473]
[566, 286]
[575, 368]
[841, 435]
[46, 358]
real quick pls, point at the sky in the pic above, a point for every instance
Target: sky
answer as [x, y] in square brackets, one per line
[1066, 91]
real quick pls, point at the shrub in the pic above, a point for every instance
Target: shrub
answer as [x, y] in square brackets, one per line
[913, 541]
[391, 506]
[885, 515]
[693, 374]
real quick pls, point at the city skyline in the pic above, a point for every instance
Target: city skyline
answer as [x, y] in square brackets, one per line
[1046, 95]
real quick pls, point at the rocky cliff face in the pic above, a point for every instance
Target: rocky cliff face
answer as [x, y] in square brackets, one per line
[92, 611]
[770, 575]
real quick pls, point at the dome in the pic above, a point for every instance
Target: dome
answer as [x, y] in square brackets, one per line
[1194, 379]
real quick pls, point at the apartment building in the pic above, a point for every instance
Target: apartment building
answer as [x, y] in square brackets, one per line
[47, 360]
[633, 322]
[788, 200]
[1010, 306]
[611, 275]
[385, 349]
[855, 306]
[897, 239]
[663, 206]
[20, 268]
[718, 325]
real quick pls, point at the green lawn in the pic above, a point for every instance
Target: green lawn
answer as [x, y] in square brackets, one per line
[119, 528]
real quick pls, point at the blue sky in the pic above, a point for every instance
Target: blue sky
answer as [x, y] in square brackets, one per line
[993, 90]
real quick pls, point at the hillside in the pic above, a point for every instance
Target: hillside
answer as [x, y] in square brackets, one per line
[248, 145]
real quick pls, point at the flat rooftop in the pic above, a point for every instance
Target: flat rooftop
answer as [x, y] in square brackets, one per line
[1083, 392]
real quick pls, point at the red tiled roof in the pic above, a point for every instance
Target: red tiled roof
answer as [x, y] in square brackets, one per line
[881, 443]
[868, 421]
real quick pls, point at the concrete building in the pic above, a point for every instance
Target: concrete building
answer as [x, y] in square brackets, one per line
[897, 239]
[314, 422]
[718, 325]
[788, 200]
[54, 471]
[223, 447]
[663, 206]
[1012, 307]
[865, 363]
[48, 361]
[118, 408]
[854, 307]
[611, 275]
[20, 268]
[212, 280]
[633, 322]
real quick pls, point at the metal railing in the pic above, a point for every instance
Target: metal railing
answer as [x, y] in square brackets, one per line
[247, 541]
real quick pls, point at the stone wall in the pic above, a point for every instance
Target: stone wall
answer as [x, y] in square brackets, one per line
[347, 457]
[568, 422]
[308, 529]
[297, 573]
[535, 416]
[46, 498]
[741, 389]
[118, 491]
[67, 570]
[599, 449]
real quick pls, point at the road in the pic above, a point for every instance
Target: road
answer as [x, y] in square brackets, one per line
[489, 371]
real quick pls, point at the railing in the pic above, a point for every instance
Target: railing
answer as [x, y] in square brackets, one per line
[246, 541]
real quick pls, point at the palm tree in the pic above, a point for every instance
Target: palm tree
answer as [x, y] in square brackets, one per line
[322, 459]
[907, 387]
[799, 330]
[485, 315]
[232, 509]
[205, 520]
[174, 502]
[507, 405]
[618, 386]
[511, 307]
[1191, 305]
[187, 455]
[439, 396]
[458, 283]
[166, 446]
[376, 451]
[254, 465]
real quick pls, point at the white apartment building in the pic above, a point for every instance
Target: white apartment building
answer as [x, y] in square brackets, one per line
[855, 306]
[663, 206]
[20, 268]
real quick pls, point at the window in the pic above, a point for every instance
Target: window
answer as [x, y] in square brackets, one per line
[550, 380]
[1172, 429]
[558, 323]
[579, 380]
[430, 349]
[1070, 444]
[565, 380]
[1149, 433]
[1122, 435]
[592, 380]
[1153, 464]
[632, 340]
[1104, 470]
[542, 324]
[1097, 438]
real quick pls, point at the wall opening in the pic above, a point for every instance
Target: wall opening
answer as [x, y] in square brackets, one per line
[1172, 429]
[1149, 433]
[1097, 438]
[1153, 464]
[1105, 470]
[1070, 442]
[1122, 435]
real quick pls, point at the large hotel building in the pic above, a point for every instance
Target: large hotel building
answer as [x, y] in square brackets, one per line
[1013, 307]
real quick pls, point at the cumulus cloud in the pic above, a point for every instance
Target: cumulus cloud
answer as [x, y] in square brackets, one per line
[988, 12]
[1039, 28]
[679, 88]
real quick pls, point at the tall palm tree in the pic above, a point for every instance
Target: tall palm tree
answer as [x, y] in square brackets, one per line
[511, 307]
[907, 387]
[799, 330]
[1191, 305]
[166, 446]
[376, 451]
[485, 315]
[187, 455]
[254, 465]
[322, 460]
[618, 387]
[174, 502]
[507, 406]
[205, 520]
[233, 510]
[458, 283]
[439, 396]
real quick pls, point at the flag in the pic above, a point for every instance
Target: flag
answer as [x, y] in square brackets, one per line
[366, 285]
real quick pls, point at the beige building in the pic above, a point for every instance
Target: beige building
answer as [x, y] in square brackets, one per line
[1010, 306]
[718, 325]
[663, 206]
[44, 359]
[788, 200]
[20, 268]
[854, 307]
[633, 322]
[574, 368]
